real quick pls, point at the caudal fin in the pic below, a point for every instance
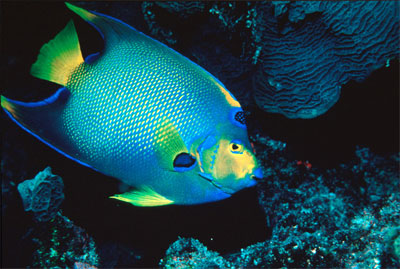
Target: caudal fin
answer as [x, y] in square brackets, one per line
[59, 57]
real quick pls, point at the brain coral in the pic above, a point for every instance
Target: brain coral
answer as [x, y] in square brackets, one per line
[308, 50]
[42, 195]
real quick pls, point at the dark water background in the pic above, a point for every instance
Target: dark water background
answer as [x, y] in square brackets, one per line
[367, 115]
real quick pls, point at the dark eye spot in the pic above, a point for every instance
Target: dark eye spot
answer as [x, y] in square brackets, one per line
[184, 162]
[240, 117]
[235, 147]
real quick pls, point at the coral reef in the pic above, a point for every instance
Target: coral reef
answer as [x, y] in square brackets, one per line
[58, 242]
[42, 195]
[310, 49]
[190, 253]
[298, 54]
[62, 244]
[318, 218]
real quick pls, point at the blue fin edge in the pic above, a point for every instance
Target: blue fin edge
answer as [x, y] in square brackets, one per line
[34, 104]
[63, 93]
[92, 57]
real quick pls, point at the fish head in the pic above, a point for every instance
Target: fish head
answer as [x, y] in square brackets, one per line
[226, 159]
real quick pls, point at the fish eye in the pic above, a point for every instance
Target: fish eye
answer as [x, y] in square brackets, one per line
[236, 147]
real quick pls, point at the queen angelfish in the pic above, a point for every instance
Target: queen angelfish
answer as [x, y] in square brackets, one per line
[142, 113]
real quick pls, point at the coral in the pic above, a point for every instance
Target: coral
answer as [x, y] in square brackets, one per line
[310, 49]
[62, 244]
[42, 195]
[373, 236]
[297, 54]
[190, 253]
[59, 243]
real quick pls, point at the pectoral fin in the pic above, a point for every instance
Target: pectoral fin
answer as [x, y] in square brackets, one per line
[168, 144]
[144, 196]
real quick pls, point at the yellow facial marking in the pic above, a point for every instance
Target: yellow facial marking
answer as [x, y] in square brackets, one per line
[229, 160]
[238, 161]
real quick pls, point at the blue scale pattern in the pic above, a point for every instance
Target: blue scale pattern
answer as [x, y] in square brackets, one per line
[121, 99]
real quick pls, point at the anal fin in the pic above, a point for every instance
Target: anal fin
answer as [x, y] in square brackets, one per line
[144, 196]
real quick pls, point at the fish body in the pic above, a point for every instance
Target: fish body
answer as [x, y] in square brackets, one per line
[142, 113]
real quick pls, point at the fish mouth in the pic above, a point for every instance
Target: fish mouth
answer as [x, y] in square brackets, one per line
[257, 174]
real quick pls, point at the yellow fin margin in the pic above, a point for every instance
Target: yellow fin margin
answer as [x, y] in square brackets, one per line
[145, 196]
[7, 105]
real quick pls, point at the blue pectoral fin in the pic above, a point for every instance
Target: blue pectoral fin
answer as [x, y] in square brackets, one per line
[43, 120]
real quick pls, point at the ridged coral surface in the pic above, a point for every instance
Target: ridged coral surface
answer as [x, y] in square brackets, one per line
[310, 49]
[42, 195]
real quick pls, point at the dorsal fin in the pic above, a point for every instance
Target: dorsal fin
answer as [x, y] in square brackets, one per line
[111, 29]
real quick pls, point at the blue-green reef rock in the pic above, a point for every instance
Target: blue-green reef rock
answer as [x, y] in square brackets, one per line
[42, 195]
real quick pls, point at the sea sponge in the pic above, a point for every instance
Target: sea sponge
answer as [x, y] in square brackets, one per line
[310, 49]
[42, 195]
